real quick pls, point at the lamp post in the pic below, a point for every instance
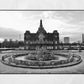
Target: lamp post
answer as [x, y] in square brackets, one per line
[79, 47]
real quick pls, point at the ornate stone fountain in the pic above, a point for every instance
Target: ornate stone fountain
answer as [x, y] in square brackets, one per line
[42, 58]
[41, 54]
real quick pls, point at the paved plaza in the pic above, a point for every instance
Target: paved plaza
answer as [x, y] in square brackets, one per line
[76, 69]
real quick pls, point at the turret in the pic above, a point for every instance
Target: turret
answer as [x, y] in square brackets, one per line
[41, 28]
[41, 25]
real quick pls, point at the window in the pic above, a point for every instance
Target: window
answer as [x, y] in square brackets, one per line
[55, 47]
[49, 47]
[55, 42]
[27, 42]
[27, 47]
[55, 36]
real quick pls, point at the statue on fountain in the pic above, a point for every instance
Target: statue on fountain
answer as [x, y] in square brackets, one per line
[42, 54]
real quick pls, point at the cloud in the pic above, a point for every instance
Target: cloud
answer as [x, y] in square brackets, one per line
[68, 23]
[71, 17]
[13, 20]
[7, 33]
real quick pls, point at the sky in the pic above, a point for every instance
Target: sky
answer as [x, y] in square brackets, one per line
[68, 23]
[13, 24]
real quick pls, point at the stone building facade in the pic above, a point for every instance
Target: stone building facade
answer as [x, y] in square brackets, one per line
[41, 39]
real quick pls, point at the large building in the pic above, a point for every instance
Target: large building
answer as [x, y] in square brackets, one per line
[66, 40]
[41, 39]
[82, 38]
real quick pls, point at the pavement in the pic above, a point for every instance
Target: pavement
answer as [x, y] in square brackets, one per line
[76, 69]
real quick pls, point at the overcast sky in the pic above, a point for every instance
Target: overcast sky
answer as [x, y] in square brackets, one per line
[68, 23]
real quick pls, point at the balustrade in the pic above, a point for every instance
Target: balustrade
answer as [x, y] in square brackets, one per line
[39, 42]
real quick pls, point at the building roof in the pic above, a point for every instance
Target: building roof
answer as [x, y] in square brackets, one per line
[41, 28]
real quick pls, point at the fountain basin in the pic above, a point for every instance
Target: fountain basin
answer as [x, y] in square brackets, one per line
[20, 60]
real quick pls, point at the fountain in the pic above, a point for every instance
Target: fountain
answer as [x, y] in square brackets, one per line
[41, 59]
[41, 54]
